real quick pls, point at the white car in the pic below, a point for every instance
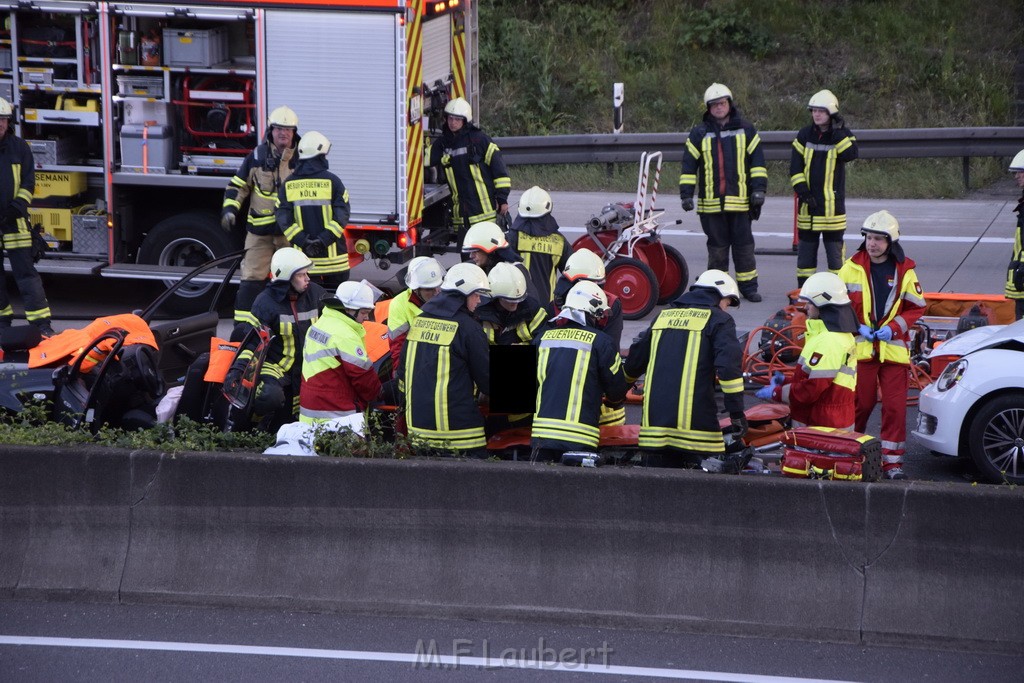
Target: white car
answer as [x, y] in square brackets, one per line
[976, 406]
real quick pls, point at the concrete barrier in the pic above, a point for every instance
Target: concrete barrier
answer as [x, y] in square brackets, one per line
[933, 563]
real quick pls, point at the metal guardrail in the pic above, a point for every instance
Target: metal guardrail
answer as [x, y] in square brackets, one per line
[889, 143]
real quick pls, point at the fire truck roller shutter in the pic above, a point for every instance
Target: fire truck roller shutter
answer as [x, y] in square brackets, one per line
[357, 102]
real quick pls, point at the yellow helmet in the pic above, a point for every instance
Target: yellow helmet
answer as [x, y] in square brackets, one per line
[313, 144]
[466, 278]
[485, 236]
[825, 289]
[824, 99]
[882, 223]
[1016, 165]
[721, 282]
[584, 264]
[424, 272]
[459, 107]
[716, 91]
[534, 203]
[507, 282]
[283, 117]
[286, 262]
[588, 297]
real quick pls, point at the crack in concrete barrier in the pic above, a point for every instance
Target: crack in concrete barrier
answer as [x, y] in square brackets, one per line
[131, 510]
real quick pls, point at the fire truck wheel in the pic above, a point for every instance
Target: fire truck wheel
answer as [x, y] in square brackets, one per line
[187, 239]
[635, 285]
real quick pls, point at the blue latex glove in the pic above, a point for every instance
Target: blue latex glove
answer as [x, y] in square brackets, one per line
[866, 332]
[765, 392]
[884, 333]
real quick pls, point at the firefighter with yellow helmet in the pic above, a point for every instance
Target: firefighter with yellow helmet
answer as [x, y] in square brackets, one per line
[817, 169]
[313, 210]
[888, 300]
[511, 316]
[534, 235]
[258, 181]
[17, 182]
[578, 370]
[1014, 288]
[444, 364]
[821, 391]
[689, 346]
[724, 164]
[473, 168]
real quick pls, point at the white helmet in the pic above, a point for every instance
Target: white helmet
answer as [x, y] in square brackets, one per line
[716, 91]
[1016, 165]
[584, 264]
[466, 278]
[459, 107]
[424, 272]
[356, 296]
[588, 297]
[283, 117]
[6, 110]
[825, 289]
[485, 236]
[507, 282]
[286, 262]
[534, 203]
[721, 282]
[824, 99]
[313, 144]
[882, 223]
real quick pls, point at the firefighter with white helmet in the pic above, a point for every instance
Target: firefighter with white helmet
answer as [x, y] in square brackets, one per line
[472, 166]
[584, 264]
[338, 376]
[17, 183]
[485, 244]
[511, 316]
[534, 235]
[724, 163]
[423, 279]
[288, 305]
[578, 371]
[258, 181]
[821, 391]
[445, 364]
[690, 345]
[817, 169]
[313, 213]
[1014, 288]
[888, 300]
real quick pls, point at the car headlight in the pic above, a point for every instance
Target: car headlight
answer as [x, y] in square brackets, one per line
[953, 373]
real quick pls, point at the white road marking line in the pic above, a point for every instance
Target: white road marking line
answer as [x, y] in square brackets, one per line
[848, 238]
[433, 660]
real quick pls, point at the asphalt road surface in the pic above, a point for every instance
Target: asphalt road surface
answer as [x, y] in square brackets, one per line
[959, 246]
[86, 642]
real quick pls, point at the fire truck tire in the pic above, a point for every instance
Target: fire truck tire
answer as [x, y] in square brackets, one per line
[635, 285]
[994, 437]
[187, 239]
[675, 277]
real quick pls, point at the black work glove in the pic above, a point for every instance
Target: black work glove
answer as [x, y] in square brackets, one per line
[754, 212]
[11, 217]
[687, 203]
[1018, 276]
[808, 199]
[232, 378]
[314, 248]
[738, 421]
[756, 198]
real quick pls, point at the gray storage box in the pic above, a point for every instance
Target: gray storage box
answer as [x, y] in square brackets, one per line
[195, 47]
[55, 152]
[89, 235]
[140, 86]
[5, 58]
[159, 140]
